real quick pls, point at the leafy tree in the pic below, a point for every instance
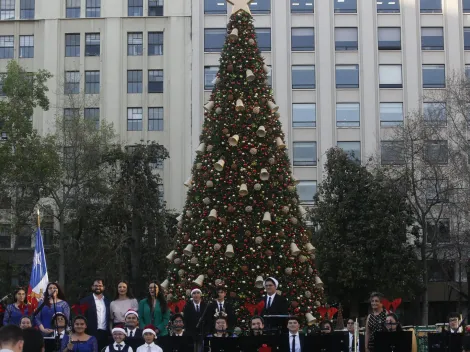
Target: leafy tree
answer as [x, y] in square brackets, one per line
[362, 243]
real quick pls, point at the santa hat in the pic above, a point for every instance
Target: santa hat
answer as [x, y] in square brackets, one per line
[131, 311]
[196, 290]
[276, 283]
[149, 329]
[119, 328]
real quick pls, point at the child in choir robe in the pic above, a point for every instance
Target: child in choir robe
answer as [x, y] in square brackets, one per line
[149, 335]
[119, 335]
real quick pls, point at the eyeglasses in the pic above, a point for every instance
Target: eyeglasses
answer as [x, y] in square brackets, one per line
[390, 323]
[350, 322]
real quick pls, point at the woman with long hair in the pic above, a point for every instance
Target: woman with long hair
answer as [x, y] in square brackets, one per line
[79, 341]
[392, 324]
[122, 303]
[17, 310]
[375, 320]
[154, 309]
[52, 303]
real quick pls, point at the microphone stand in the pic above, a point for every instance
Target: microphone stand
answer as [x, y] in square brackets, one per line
[200, 324]
[56, 329]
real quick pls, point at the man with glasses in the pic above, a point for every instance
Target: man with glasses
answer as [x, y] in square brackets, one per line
[192, 312]
[360, 342]
[274, 304]
[177, 325]
[97, 313]
[454, 323]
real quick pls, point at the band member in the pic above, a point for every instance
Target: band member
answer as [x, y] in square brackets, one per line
[351, 330]
[177, 325]
[220, 328]
[454, 323]
[326, 327]
[193, 311]
[221, 306]
[293, 341]
[257, 325]
[131, 317]
[59, 324]
[119, 335]
[392, 324]
[15, 311]
[375, 320]
[150, 336]
[274, 304]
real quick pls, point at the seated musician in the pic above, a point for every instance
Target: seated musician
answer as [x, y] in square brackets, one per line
[454, 323]
[293, 341]
[326, 327]
[351, 330]
[256, 325]
[220, 329]
[392, 324]
[177, 325]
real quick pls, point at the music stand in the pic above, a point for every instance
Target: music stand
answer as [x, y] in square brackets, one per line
[337, 341]
[399, 341]
[276, 322]
[445, 341]
[253, 343]
[176, 343]
[221, 344]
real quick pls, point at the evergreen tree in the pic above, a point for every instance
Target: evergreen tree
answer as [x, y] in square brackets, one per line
[242, 221]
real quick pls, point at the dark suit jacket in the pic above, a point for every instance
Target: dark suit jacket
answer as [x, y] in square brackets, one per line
[90, 314]
[285, 344]
[278, 306]
[213, 308]
[191, 318]
[362, 343]
[137, 333]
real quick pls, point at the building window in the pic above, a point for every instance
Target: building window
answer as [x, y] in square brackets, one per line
[2, 93]
[134, 44]
[438, 231]
[135, 8]
[155, 81]
[437, 191]
[391, 114]
[92, 44]
[155, 7]
[72, 9]
[72, 45]
[7, 9]
[72, 82]
[92, 82]
[214, 39]
[303, 39]
[23, 240]
[431, 6]
[263, 36]
[347, 76]
[155, 43]
[388, 6]
[435, 113]
[345, 39]
[302, 6]
[260, 6]
[466, 6]
[6, 46]
[26, 46]
[432, 38]
[304, 115]
[436, 152]
[303, 77]
[215, 7]
[5, 236]
[305, 153]
[27, 9]
[93, 8]
[434, 76]
[353, 149]
[155, 119]
[391, 152]
[389, 38]
[307, 191]
[92, 115]
[390, 76]
[345, 6]
[70, 114]
[210, 72]
[466, 38]
[134, 119]
[134, 81]
[348, 115]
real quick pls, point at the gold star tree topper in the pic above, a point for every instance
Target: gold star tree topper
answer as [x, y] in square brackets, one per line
[240, 5]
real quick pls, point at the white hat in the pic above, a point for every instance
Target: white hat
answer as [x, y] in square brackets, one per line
[276, 283]
[131, 311]
[119, 329]
[196, 290]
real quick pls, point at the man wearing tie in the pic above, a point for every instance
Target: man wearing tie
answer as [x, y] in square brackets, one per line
[293, 342]
[193, 311]
[221, 306]
[360, 342]
[133, 332]
[274, 304]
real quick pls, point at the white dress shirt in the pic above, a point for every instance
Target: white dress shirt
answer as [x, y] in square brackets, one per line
[297, 342]
[180, 334]
[5, 350]
[196, 305]
[116, 347]
[100, 312]
[220, 303]
[61, 334]
[272, 299]
[351, 343]
[131, 332]
[145, 348]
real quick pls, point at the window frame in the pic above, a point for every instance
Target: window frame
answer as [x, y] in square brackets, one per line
[306, 10]
[304, 161]
[71, 9]
[307, 183]
[348, 10]
[399, 148]
[7, 46]
[348, 123]
[295, 38]
[155, 81]
[212, 71]
[156, 122]
[72, 49]
[7, 13]
[90, 44]
[262, 11]
[303, 68]
[350, 151]
[155, 43]
[26, 51]
[72, 84]
[466, 6]
[442, 144]
[132, 121]
[301, 123]
[259, 39]
[93, 8]
[432, 47]
[90, 115]
[92, 82]
[385, 10]
[134, 81]
[212, 33]
[391, 45]
[389, 122]
[223, 10]
[134, 48]
[135, 8]
[155, 8]
[347, 85]
[434, 85]
[382, 76]
[439, 119]
[27, 9]
[346, 45]
[429, 10]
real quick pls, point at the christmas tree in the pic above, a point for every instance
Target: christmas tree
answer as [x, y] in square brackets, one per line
[242, 221]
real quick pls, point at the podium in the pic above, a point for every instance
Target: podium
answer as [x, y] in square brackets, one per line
[445, 342]
[399, 341]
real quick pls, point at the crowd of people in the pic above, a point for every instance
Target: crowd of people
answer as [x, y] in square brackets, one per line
[97, 319]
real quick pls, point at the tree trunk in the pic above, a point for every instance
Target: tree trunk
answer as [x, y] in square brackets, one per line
[425, 299]
[135, 248]
[468, 284]
[62, 250]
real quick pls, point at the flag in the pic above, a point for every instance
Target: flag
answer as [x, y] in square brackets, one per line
[39, 279]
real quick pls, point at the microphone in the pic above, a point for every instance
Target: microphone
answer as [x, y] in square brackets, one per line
[5, 298]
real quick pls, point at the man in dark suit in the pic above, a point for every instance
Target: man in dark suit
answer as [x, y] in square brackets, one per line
[293, 341]
[193, 310]
[97, 313]
[274, 304]
[221, 306]
[360, 342]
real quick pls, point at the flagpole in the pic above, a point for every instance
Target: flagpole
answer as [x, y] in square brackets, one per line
[39, 221]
